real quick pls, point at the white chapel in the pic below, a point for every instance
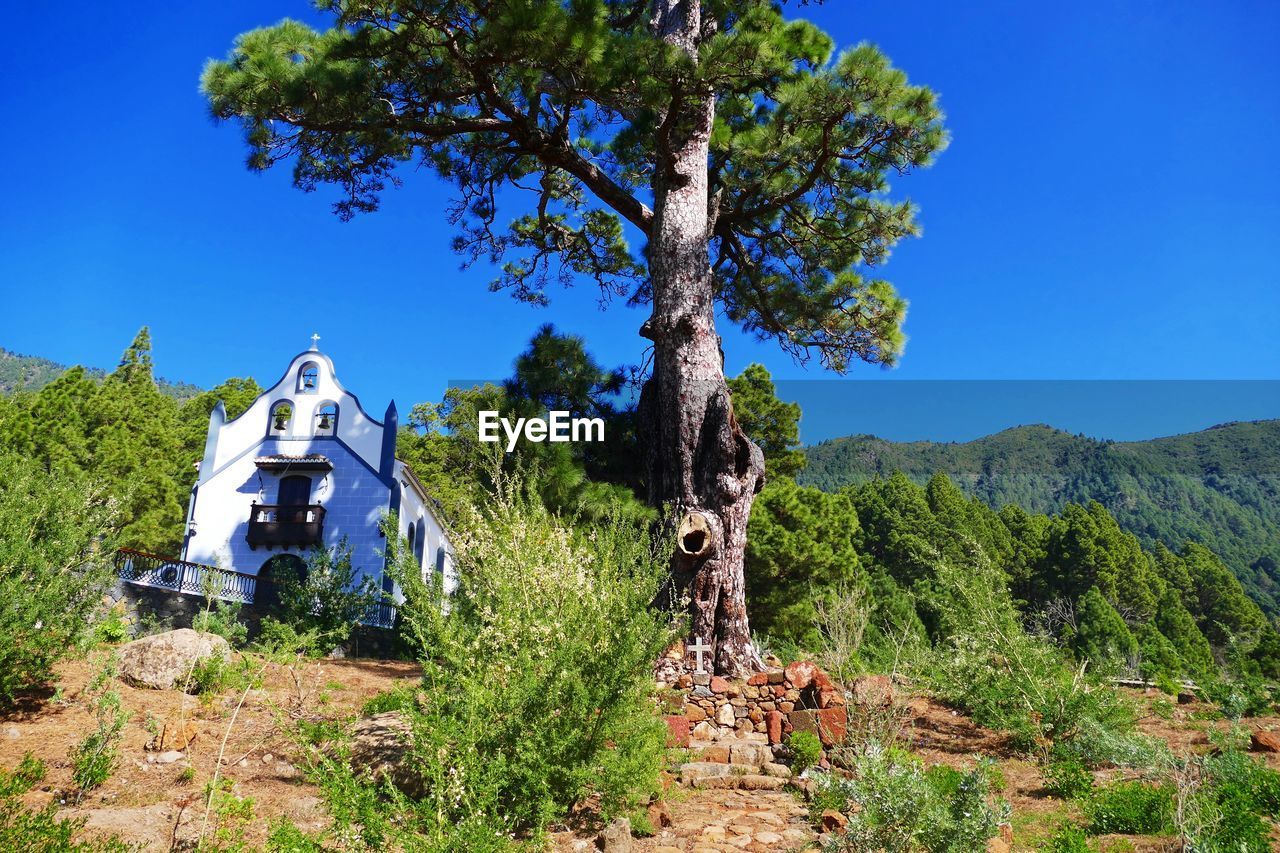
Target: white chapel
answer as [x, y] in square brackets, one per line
[306, 466]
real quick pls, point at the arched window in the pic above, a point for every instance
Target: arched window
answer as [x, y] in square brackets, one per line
[440, 559]
[412, 537]
[419, 543]
[281, 415]
[326, 419]
[309, 378]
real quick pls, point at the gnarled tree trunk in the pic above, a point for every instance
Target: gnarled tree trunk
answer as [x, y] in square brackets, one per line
[701, 465]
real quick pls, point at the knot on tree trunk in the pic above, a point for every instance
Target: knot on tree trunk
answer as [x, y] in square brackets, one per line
[699, 536]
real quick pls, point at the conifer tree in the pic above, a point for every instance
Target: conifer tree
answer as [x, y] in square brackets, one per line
[1101, 636]
[771, 423]
[750, 163]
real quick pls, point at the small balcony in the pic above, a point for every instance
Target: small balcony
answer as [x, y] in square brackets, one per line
[275, 526]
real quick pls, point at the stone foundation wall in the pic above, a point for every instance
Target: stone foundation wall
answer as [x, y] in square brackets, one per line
[774, 703]
[141, 604]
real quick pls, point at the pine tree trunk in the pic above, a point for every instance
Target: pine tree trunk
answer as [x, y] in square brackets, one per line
[702, 468]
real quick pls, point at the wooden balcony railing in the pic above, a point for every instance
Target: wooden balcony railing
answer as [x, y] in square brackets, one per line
[275, 526]
[180, 576]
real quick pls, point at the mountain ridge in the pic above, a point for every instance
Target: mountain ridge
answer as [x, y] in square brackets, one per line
[1219, 486]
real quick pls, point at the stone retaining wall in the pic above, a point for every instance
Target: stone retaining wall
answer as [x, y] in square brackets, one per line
[775, 703]
[139, 604]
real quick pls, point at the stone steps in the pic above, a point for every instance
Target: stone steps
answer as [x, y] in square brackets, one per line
[745, 764]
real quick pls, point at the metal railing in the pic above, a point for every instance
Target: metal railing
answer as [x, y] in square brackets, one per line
[143, 569]
[153, 570]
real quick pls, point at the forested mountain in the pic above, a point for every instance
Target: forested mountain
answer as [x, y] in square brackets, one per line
[31, 373]
[1219, 487]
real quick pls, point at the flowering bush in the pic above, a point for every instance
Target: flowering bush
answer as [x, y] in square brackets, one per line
[897, 806]
[536, 678]
[55, 564]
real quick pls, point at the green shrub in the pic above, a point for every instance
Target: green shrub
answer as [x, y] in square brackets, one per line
[217, 674]
[397, 698]
[806, 749]
[111, 628]
[1136, 807]
[94, 758]
[895, 805]
[286, 837]
[1225, 810]
[537, 674]
[1240, 697]
[22, 828]
[222, 618]
[56, 546]
[329, 602]
[1069, 838]
[1067, 777]
[1008, 679]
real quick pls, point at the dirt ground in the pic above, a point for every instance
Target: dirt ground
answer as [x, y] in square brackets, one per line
[151, 804]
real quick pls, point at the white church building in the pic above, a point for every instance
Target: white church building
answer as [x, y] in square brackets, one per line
[304, 467]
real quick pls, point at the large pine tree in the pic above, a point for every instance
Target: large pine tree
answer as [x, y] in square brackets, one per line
[752, 165]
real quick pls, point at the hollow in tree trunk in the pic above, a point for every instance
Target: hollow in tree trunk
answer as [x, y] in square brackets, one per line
[702, 468]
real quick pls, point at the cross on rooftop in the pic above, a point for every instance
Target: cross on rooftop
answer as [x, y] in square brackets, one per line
[315, 341]
[698, 648]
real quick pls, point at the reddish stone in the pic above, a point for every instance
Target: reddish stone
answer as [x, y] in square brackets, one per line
[833, 821]
[779, 690]
[659, 815]
[716, 754]
[677, 730]
[719, 685]
[1262, 741]
[773, 726]
[801, 673]
[758, 679]
[694, 714]
[829, 724]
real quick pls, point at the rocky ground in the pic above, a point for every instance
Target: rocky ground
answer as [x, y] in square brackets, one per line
[713, 802]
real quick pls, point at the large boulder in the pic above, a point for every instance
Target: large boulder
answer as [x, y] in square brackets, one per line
[163, 660]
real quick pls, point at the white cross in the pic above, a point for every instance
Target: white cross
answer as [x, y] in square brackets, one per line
[315, 341]
[698, 648]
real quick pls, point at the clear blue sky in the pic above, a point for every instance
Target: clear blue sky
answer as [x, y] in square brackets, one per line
[1109, 208]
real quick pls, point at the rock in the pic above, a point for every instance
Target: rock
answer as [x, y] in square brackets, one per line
[773, 726]
[696, 772]
[1263, 741]
[759, 679]
[873, 691]
[829, 724]
[716, 754]
[694, 713]
[770, 768]
[677, 730]
[12, 733]
[169, 757]
[659, 815]
[801, 673]
[719, 684]
[616, 837]
[771, 839]
[176, 734]
[750, 754]
[268, 758]
[163, 660]
[705, 730]
[833, 821]
[702, 678]
[378, 748]
[725, 715]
